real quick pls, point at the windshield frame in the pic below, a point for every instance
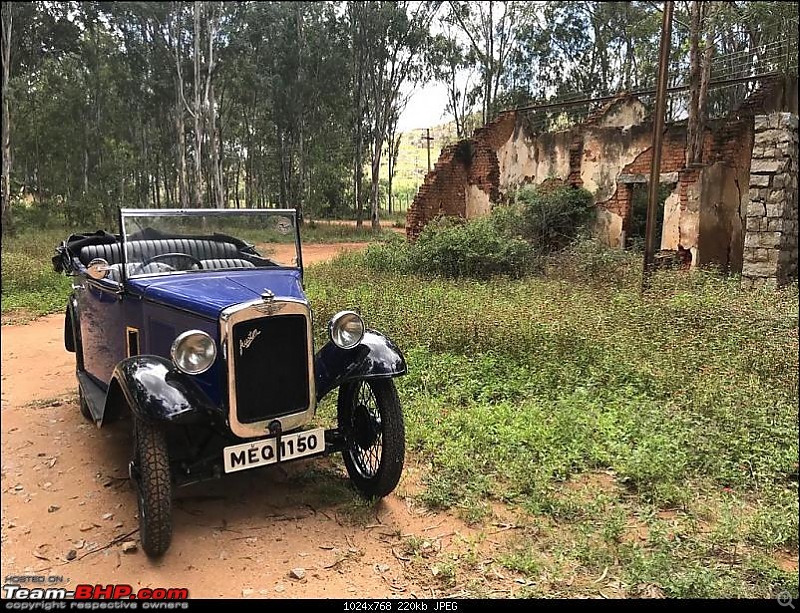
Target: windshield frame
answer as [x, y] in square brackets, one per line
[128, 213]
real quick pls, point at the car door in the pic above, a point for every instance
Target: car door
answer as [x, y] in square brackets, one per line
[102, 325]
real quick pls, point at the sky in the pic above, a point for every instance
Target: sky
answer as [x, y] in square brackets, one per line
[426, 108]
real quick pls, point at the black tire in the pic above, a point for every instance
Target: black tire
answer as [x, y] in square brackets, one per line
[371, 421]
[84, 406]
[153, 487]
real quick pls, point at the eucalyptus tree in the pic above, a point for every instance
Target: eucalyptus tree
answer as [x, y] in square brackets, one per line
[396, 33]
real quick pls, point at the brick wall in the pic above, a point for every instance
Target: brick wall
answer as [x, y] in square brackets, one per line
[770, 244]
[469, 162]
[598, 153]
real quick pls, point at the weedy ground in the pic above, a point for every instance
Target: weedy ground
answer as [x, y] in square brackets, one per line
[649, 443]
[632, 445]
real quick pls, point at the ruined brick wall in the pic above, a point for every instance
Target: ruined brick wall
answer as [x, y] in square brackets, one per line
[770, 244]
[465, 179]
[609, 154]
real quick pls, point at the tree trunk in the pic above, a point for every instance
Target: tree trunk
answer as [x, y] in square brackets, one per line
[377, 150]
[180, 145]
[301, 160]
[705, 78]
[236, 184]
[358, 118]
[693, 127]
[198, 114]
[375, 192]
[6, 136]
[215, 145]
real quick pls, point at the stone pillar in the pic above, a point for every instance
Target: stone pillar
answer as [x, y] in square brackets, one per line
[770, 242]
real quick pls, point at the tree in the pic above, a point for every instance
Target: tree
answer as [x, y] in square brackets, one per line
[448, 63]
[397, 32]
[491, 28]
[7, 23]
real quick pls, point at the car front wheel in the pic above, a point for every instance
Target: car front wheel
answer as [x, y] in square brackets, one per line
[151, 474]
[371, 421]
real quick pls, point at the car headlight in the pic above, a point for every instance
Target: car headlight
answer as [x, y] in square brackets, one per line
[346, 329]
[193, 352]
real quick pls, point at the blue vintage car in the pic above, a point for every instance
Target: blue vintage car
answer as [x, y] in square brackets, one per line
[195, 322]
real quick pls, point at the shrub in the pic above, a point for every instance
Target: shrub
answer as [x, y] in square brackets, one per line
[587, 260]
[478, 248]
[394, 255]
[552, 218]
[511, 241]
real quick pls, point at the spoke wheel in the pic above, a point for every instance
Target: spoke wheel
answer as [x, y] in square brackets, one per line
[151, 475]
[371, 421]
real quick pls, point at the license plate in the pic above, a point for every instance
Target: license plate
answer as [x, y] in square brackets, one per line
[265, 451]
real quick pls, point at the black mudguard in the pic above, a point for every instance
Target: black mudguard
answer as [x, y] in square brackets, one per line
[70, 324]
[158, 393]
[377, 357]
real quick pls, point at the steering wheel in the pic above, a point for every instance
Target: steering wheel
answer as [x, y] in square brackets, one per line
[162, 256]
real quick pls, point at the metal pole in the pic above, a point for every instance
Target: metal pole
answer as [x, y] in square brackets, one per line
[658, 135]
[428, 142]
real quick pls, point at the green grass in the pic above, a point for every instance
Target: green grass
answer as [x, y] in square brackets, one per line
[29, 284]
[519, 389]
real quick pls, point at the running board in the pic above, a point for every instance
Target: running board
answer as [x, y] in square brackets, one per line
[94, 395]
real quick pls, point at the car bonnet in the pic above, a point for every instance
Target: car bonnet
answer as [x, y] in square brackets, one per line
[208, 293]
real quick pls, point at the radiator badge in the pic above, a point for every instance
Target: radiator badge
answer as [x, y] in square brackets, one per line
[248, 340]
[268, 307]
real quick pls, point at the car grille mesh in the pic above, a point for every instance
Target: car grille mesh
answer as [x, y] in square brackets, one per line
[271, 362]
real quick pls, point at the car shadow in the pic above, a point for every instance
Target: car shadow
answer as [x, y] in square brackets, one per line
[245, 501]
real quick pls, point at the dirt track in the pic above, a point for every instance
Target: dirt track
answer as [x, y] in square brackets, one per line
[66, 495]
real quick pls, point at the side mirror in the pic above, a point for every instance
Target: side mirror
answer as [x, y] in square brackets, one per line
[98, 268]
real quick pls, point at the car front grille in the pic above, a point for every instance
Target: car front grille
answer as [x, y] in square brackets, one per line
[271, 367]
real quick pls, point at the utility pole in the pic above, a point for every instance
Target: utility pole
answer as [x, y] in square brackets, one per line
[658, 135]
[428, 139]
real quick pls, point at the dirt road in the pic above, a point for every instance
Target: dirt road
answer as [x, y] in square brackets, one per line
[67, 506]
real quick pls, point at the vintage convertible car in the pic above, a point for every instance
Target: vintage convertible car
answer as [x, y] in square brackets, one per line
[195, 322]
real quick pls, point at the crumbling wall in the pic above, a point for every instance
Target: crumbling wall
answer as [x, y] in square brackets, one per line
[465, 179]
[609, 154]
[770, 243]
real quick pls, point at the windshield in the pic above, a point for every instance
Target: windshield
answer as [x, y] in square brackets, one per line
[161, 242]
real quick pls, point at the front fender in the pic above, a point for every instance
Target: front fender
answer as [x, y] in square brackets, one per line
[159, 393]
[376, 357]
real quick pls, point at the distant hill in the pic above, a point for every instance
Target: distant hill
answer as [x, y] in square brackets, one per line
[412, 161]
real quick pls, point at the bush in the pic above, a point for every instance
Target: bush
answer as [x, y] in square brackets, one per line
[394, 255]
[587, 260]
[477, 248]
[512, 240]
[553, 218]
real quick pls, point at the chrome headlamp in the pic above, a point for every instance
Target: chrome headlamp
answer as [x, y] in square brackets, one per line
[193, 352]
[346, 329]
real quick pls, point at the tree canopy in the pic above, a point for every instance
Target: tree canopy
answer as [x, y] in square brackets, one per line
[295, 104]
